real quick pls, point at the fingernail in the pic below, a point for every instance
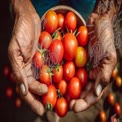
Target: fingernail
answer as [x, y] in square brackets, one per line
[22, 89]
[98, 90]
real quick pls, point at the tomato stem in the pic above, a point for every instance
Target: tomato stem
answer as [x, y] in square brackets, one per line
[55, 34]
[49, 106]
[59, 93]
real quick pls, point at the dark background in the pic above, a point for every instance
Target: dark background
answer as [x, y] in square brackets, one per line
[9, 112]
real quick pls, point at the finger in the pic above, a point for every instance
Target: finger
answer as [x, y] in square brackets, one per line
[89, 100]
[38, 88]
[35, 104]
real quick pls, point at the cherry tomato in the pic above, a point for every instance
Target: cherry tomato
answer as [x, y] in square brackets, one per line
[111, 99]
[82, 36]
[117, 109]
[68, 97]
[81, 57]
[9, 92]
[68, 70]
[62, 86]
[115, 73]
[82, 75]
[56, 51]
[49, 99]
[18, 102]
[61, 107]
[6, 71]
[57, 73]
[38, 59]
[60, 20]
[51, 21]
[45, 75]
[45, 39]
[74, 88]
[57, 35]
[70, 46]
[102, 116]
[118, 81]
[70, 21]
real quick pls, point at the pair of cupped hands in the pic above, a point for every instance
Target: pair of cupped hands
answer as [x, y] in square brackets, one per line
[26, 32]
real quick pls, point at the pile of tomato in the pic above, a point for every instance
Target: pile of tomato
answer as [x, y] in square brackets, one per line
[61, 58]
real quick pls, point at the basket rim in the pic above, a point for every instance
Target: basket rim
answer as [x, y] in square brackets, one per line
[67, 8]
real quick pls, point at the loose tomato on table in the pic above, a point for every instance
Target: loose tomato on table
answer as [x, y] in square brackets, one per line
[57, 73]
[82, 75]
[45, 75]
[68, 70]
[61, 107]
[81, 57]
[70, 45]
[56, 51]
[50, 98]
[51, 21]
[82, 35]
[45, 40]
[74, 88]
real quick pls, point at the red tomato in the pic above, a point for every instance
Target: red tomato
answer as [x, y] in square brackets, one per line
[60, 20]
[18, 102]
[81, 57]
[102, 116]
[57, 74]
[51, 21]
[82, 36]
[57, 35]
[9, 92]
[82, 75]
[68, 97]
[62, 86]
[45, 75]
[6, 71]
[117, 109]
[74, 88]
[70, 21]
[69, 70]
[118, 81]
[38, 59]
[70, 46]
[115, 73]
[50, 97]
[45, 39]
[111, 99]
[61, 107]
[56, 51]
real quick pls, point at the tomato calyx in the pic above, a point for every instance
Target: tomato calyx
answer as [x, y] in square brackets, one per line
[59, 93]
[49, 106]
[42, 51]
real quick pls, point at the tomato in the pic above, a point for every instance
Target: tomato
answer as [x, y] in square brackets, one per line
[115, 73]
[57, 35]
[51, 21]
[45, 39]
[68, 70]
[49, 99]
[9, 92]
[82, 35]
[82, 75]
[70, 46]
[6, 71]
[70, 21]
[118, 81]
[60, 20]
[117, 109]
[74, 88]
[111, 99]
[56, 51]
[18, 102]
[102, 116]
[57, 73]
[45, 75]
[68, 97]
[62, 86]
[38, 59]
[81, 57]
[61, 107]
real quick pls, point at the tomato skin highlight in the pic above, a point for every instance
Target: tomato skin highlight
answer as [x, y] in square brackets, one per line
[45, 40]
[68, 70]
[81, 57]
[82, 75]
[51, 21]
[74, 88]
[57, 74]
[56, 51]
[82, 36]
[50, 97]
[70, 21]
[70, 45]
[61, 107]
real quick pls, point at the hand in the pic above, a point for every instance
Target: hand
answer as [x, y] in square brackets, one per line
[102, 56]
[21, 49]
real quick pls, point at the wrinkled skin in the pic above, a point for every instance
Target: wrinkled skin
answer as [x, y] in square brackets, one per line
[102, 57]
[21, 49]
